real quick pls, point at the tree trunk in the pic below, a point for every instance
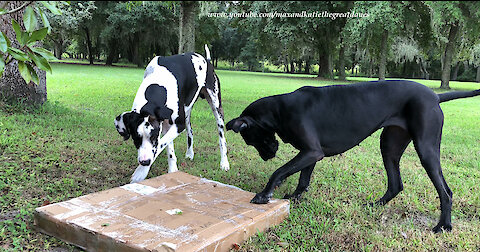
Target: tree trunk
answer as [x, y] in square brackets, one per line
[136, 55]
[478, 75]
[287, 70]
[188, 13]
[455, 72]
[89, 44]
[307, 65]
[370, 68]
[324, 65]
[12, 85]
[112, 53]
[383, 56]
[341, 63]
[448, 56]
[58, 50]
[423, 70]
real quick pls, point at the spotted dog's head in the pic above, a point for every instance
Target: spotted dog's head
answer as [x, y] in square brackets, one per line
[254, 134]
[145, 132]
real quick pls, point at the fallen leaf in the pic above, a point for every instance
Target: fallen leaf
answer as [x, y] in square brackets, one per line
[236, 246]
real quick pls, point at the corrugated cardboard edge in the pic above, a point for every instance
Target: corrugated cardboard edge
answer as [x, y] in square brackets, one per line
[258, 224]
[69, 233]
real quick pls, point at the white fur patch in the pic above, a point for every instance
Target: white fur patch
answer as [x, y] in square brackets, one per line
[146, 150]
[200, 66]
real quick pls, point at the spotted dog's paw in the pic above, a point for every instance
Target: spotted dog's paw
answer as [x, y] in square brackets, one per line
[140, 174]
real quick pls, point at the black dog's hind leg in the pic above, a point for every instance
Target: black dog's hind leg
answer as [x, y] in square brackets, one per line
[303, 183]
[393, 142]
[430, 158]
[301, 161]
[426, 139]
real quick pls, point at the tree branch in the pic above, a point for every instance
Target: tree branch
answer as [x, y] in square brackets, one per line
[20, 8]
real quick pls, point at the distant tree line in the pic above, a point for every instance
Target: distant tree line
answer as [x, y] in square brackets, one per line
[407, 39]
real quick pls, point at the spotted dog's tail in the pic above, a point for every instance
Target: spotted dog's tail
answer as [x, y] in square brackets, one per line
[457, 95]
[207, 53]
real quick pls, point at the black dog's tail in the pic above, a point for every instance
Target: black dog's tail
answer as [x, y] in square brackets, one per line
[457, 95]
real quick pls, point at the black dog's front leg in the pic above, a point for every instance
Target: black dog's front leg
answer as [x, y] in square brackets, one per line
[303, 183]
[303, 160]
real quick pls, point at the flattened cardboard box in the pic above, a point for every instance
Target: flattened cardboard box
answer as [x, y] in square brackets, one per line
[172, 212]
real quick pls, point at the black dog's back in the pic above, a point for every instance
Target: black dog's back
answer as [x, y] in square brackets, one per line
[345, 114]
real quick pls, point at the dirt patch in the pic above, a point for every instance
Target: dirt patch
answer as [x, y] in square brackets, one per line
[9, 215]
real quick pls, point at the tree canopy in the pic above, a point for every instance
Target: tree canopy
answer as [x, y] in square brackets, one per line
[328, 38]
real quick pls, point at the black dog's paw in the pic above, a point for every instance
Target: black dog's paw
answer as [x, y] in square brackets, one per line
[371, 204]
[441, 227]
[260, 198]
[375, 204]
[295, 197]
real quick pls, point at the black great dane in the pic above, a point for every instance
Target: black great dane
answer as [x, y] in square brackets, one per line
[326, 121]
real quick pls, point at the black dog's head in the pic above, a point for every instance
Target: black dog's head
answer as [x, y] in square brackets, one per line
[254, 134]
[145, 132]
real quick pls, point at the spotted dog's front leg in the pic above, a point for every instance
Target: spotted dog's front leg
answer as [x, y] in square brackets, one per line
[142, 171]
[172, 159]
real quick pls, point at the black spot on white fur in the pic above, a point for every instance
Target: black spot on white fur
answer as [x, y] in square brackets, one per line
[156, 97]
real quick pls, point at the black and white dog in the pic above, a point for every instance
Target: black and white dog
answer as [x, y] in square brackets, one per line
[162, 106]
[326, 121]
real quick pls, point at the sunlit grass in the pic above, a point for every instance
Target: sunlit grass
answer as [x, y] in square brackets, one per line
[69, 147]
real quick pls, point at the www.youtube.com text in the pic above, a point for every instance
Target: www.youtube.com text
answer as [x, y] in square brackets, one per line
[303, 14]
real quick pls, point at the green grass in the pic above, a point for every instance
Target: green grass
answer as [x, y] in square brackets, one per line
[69, 147]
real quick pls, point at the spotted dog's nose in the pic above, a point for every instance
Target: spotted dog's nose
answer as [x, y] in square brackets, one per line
[145, 162]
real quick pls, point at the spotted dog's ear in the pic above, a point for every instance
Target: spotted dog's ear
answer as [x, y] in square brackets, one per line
[121, 124]
[162, 113]
[239, 124]
[153, 121]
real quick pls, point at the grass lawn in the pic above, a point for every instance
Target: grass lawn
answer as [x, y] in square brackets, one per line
[69, 147]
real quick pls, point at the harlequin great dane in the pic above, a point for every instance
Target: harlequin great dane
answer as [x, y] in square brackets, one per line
[161, 108]
[326, 121]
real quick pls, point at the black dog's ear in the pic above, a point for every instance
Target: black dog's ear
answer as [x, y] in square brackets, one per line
[238, 124]
[121, 124]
